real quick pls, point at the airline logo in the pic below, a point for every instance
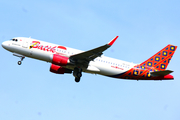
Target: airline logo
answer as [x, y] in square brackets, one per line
[38, 45]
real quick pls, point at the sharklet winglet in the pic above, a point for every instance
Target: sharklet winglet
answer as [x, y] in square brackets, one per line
[113, 40]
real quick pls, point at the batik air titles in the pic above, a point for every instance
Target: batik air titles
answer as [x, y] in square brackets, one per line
[68, 60]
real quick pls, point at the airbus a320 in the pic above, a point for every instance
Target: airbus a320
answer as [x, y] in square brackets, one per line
[68, 60]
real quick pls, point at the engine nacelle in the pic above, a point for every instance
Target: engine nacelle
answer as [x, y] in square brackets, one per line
[60, 60]
[59, 70]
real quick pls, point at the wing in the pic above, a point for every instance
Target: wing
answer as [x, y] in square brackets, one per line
[89, 55]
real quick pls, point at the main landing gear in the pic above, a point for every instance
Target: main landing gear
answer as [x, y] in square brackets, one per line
[77, 73]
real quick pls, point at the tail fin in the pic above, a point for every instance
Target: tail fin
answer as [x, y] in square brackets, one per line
[160, 60]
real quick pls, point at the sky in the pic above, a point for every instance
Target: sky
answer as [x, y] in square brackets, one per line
[31, 92]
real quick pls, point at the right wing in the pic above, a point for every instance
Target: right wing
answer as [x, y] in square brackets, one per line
[87, 56]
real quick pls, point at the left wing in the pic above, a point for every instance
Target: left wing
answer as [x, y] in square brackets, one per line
[89, 55]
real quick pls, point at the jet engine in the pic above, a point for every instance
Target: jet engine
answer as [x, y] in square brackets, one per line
[59, 70]
[60, 60]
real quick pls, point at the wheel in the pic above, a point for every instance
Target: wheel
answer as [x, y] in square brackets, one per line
[77, 79]
[79, 74]
[19, 62]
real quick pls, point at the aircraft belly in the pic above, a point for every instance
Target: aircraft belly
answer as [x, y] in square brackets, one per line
[36, 54]
[20, 50]
[107, 70]
[110, 71]
[40, 55]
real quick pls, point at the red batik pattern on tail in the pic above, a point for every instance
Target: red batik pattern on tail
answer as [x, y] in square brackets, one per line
[160, 60]
[157, 62]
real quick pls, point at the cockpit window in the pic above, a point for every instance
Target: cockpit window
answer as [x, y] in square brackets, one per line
[14, 40]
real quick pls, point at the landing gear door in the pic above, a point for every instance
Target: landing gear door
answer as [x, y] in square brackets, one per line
[25, 43]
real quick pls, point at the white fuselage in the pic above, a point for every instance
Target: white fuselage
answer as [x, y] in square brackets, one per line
[44, 51]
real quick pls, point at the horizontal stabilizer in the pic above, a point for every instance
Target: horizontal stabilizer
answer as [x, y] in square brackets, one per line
[161, 73]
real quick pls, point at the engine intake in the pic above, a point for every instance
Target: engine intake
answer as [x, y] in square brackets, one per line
[59, 70]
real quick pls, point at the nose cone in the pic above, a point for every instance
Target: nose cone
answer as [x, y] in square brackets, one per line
[4, 44]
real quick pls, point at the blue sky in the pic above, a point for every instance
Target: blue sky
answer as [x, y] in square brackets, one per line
[31, 92]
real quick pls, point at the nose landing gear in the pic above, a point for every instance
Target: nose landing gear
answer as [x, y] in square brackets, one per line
[20, 62]
[77, 73]
[21, 56]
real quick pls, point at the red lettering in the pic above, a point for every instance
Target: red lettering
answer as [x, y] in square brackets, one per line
[48, 48]
[43, 48]
[35, 44]
[40, 47]
[117, 67]
[53, 50]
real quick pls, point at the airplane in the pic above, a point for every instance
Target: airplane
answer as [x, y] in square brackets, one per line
[68, 60]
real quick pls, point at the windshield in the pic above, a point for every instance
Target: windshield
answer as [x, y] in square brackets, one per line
[14, 40]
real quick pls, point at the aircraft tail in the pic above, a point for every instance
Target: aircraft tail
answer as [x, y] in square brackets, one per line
[160, 60]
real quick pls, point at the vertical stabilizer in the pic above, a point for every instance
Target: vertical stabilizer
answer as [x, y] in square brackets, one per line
[160, 60]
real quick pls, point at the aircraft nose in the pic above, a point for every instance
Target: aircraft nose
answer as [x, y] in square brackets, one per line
[4, 44]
